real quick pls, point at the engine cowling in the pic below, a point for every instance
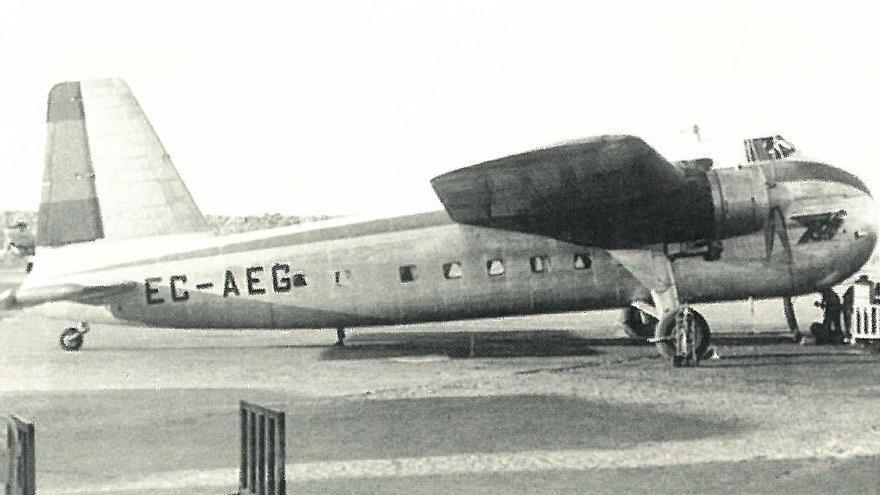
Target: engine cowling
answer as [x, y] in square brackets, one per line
[740, 201]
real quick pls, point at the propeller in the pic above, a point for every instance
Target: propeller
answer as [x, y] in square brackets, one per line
[775, 226]
[778, 198]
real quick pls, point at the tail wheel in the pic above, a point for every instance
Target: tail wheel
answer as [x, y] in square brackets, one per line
[666, 325]
[71, 339]
[637, 324]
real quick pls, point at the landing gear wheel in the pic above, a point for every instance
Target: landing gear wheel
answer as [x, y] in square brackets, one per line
[638, 325]
[665, 340]
[71, 339]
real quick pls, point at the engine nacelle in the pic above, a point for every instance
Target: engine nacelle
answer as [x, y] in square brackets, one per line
[711, 205]
[740, 201]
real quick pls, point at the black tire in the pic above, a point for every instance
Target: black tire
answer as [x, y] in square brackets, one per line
[666, 348]
[634, 327]
[71, 339]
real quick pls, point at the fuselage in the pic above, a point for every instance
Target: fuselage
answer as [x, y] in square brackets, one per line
[426, 267]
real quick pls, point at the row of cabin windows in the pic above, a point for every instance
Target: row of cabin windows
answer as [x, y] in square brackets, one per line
[495, 267]
[453, 270]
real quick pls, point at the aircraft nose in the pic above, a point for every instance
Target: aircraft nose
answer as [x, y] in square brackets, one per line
[866, 227]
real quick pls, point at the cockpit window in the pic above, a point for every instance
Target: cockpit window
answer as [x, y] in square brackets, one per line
[768, 148]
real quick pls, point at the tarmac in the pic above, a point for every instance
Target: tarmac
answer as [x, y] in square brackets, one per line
[549, 404]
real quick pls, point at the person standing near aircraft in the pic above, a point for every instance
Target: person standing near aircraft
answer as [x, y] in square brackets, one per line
[848, 301]
[831, 307]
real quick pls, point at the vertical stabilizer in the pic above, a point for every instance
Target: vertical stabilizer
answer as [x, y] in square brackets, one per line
[107, 175]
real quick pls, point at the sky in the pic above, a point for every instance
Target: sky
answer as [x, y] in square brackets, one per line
[329, 107]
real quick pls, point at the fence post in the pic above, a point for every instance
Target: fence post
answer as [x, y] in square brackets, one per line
[21, 477]
[261, 471]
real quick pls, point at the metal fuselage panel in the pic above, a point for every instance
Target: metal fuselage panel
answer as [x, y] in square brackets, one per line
[217, 283]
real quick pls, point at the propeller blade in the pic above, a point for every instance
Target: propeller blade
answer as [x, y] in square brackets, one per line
[776, 226]
[783, 235]
[770, 174]
[770, 233]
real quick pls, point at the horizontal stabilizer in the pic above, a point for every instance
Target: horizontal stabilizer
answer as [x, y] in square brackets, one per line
[98, 294]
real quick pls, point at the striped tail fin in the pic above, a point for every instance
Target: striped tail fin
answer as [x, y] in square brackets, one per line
[107, 175]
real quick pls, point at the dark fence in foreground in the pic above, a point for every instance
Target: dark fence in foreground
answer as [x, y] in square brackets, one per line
[262, 451]
[21, 477]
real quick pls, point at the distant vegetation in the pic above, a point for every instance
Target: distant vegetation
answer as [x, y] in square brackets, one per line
[224, 224]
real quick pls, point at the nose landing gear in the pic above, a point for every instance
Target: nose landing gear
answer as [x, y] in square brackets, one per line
[71, 339]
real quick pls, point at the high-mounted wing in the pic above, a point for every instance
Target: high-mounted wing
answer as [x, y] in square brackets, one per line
[607, 191]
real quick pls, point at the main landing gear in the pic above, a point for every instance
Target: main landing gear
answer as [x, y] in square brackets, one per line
[71, 338]
[679, 332]
[683, 336]
[340, 337]
[638, 324]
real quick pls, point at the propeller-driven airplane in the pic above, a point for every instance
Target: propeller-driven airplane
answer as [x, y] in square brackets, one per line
[604, 222]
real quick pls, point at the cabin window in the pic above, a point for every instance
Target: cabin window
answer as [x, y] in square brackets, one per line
[299, 280]
[407, 273]
[540, 264]
[341, 277]
[582, 261]
[452, 271]
[495, 267]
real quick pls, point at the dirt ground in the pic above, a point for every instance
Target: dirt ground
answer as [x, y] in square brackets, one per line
[551, 404]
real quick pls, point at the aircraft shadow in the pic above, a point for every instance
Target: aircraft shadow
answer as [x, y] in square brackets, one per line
[835, 355]
[181, 348]
[791, 362]
[457, 345]
[751, 339]
[504, 344]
